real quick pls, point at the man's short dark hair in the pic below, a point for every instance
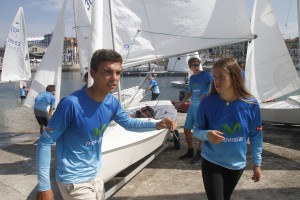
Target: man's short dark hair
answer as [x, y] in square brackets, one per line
[50, 88]
[105, 55]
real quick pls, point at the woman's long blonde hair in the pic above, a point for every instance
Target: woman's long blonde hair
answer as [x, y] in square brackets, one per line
[235, 71]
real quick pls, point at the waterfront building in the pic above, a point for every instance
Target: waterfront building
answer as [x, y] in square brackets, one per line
[40, 41]
[239, 51]
[70, 54]
[293, 47]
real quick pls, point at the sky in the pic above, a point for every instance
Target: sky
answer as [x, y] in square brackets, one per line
[41, 16]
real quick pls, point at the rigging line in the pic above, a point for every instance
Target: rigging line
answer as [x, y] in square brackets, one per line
[210, 38]
[130, 46]
[139, 87]
[288, 14]
[147, 17]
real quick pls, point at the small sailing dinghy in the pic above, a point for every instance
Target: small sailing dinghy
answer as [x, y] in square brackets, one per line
[270, 71]
[16, 65]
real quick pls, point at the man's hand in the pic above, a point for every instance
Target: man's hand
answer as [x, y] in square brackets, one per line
[256, 173]
[45, 195]
[215, 136]
[166, 123]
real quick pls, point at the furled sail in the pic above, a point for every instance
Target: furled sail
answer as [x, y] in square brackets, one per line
[49, 71]
[270, 71]
[16, 66]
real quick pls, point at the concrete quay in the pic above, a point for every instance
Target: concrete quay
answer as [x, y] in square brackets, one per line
[166, 177]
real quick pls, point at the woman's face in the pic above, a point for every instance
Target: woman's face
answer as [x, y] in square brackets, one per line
[222, 80]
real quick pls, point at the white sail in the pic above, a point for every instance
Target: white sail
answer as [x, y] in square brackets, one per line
[82, 15]
[180, 63]
[49, 71]
[270, 72]
[16, 64]
[147, 30]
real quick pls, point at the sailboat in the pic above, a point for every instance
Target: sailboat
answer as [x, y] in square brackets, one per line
[270, 72]
[16, 66]
[50, 69]
[180, 63]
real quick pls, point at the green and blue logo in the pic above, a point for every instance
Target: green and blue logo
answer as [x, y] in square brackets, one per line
[97, 132]
[230, 131]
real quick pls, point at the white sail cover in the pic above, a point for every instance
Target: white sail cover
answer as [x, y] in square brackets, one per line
[145, 30]
[16, 64]
[180, 63]
[270, 72]
[49, 71]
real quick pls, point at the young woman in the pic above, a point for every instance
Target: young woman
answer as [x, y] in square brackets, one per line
[227, 118]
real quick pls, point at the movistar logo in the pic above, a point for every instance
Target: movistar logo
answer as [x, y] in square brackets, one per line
[230, 131]
[196, 85]
[98, 131]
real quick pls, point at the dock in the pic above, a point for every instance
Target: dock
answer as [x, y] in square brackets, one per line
[164, 178]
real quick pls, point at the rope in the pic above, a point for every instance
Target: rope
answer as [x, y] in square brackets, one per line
[288, 13]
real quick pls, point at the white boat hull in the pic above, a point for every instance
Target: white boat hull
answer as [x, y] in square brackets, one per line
[123, 147]
[179, 84]
[282, 112]
[131, 96]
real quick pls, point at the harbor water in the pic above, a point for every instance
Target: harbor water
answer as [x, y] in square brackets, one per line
[16, 118]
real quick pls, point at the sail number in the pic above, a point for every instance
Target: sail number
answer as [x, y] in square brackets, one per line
[13, 41]
[14, 29]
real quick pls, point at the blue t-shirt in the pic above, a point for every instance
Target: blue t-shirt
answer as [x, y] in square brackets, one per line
[154, 86]
[199, 84]
[77, 127]
[23, 92]
[43, 100]
[238, 121]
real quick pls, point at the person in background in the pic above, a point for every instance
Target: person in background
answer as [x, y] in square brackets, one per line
[23, 92]
[77, 127]
[85, 79]
[153, 86]
[42, 101]
[242, 66]
[198, 88]
[227, 118]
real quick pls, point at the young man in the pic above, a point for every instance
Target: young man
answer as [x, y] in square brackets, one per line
[73, 125]
[42, 101]
[153, 87]
[199, 86]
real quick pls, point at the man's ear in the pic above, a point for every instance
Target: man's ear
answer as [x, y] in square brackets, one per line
[92, 73]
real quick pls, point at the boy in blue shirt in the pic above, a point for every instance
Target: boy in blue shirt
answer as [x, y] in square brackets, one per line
[44, 106]
[77, 127]
[199, 86]
[153, 86]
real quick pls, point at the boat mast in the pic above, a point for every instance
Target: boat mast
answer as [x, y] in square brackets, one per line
[75, 23]
[113, 46]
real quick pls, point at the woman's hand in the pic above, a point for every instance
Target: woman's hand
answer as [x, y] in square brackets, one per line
[215, 136]
[256, 173]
